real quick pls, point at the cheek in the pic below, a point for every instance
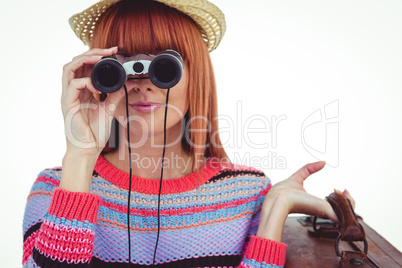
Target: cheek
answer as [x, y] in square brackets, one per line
[177, 109]
[178, 104]
[178, 96]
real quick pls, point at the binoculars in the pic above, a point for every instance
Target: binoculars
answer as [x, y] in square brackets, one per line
[164, 70]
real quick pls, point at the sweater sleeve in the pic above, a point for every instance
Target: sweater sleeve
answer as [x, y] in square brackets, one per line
[260, 252]
[58, 225]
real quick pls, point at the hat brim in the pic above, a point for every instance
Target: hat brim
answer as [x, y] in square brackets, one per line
[209, 19]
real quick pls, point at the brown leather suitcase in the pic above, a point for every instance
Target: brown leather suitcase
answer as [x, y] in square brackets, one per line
[306, 248]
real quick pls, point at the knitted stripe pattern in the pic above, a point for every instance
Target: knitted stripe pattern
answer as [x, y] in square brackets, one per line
[208, 219]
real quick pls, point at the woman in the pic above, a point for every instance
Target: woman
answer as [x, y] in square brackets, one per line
[207, 212]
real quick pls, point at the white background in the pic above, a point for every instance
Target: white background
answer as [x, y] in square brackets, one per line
[278, 58]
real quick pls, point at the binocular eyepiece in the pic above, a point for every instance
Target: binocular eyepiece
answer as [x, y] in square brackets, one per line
[164, 70]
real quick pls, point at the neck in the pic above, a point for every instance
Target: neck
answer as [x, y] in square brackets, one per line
[146, 155]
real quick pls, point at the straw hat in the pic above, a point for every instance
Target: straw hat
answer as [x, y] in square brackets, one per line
[208, 17]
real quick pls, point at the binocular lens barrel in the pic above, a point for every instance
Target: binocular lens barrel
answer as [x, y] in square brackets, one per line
[108, 75]
[165, 71]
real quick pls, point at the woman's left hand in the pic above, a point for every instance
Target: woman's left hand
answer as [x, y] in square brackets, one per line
[289, 196]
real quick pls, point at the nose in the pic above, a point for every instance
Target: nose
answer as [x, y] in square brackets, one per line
[139, 89]
[140, 83]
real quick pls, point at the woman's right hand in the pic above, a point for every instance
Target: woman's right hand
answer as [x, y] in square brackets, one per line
[87, 121]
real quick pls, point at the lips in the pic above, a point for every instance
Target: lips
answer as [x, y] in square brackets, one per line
[145, 107]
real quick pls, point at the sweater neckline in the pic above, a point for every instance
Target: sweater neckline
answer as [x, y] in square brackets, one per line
[150, 186]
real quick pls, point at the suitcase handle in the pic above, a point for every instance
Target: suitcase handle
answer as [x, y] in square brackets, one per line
[349, 230]
[338, 253]
[349, 227]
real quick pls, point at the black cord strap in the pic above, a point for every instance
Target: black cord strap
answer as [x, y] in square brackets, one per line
[129, 186]
[160, 182]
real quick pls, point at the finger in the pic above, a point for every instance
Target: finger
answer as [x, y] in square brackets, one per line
[309, 204]
[72, 93]
[90, 57]
[70, 69]
[349, 196]
[112, 100]
[102, 51]
[307, 170]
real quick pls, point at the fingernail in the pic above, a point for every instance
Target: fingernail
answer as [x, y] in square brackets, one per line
[112, 107]
[96, 56]
[109, 49]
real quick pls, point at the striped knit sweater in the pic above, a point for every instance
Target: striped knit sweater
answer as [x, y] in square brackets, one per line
[206, 221]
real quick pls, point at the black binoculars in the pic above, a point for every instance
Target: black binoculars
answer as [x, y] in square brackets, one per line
[164, 70]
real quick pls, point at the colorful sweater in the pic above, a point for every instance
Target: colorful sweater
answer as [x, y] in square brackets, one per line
[207, 220]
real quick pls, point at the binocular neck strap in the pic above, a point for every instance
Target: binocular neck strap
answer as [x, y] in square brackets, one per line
[160, 183]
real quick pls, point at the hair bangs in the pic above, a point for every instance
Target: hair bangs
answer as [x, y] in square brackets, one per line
[145, 26]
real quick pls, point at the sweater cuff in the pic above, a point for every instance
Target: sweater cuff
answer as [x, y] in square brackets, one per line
[74, 205]
[265, 250]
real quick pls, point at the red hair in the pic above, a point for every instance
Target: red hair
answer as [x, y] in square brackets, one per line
[137, 26]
